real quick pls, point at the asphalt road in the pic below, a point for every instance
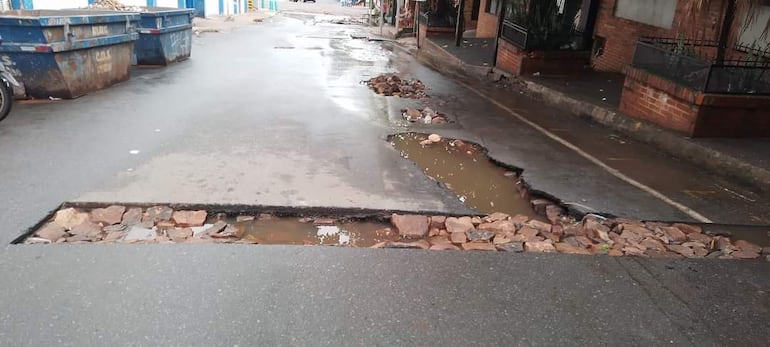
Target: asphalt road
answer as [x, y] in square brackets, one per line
[274, 114]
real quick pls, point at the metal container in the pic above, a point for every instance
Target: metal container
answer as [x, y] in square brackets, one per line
[165, 36]
[67, 53]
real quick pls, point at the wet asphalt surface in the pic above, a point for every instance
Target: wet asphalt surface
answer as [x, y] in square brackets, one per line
[274, 114]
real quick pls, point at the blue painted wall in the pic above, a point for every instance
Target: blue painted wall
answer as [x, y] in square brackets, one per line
[18, 4]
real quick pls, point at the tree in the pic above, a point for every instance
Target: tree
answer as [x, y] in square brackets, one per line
[748, 9]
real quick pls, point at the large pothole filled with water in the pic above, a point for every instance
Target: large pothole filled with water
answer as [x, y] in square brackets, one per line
[464, 169]
[510, 219]
[498, 231]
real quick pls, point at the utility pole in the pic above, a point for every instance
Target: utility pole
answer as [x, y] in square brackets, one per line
[398, 14]
[460, 23]
[724, 35]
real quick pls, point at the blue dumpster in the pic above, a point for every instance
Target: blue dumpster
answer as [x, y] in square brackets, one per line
[165, 36]
[67, 53]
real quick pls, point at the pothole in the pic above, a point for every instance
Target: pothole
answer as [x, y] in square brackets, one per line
[491, 188]
[392, 85]
[465, 169]
[424, 116]
[379, 229]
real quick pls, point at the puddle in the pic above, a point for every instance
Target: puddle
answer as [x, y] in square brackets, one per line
[423, 116]
[759, 235]
[163, 224]
[289, 231]
[465, 169]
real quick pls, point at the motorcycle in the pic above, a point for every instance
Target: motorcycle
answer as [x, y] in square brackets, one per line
[7, 82]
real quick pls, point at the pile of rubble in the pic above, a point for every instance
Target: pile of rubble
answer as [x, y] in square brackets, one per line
[392, 85]
[592, 235]
[495, 232]
[115, 6]
[159, 224]
[424, 116]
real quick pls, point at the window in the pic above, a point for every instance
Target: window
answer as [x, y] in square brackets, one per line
[493, 6]
[751, 34]
[659, 13]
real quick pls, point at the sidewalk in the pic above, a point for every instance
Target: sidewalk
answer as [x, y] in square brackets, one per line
[227, 24]
[596, 96]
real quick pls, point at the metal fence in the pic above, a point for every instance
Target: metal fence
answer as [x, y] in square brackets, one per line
[691, 63]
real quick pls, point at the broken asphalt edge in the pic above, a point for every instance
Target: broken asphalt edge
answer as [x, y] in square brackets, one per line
[354, 213]
[525, 190]
[716, 162]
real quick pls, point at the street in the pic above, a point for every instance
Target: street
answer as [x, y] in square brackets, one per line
[274, 113]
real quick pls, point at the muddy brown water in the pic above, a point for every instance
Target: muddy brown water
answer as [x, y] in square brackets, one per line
[758, 235]
[466, 171]
[288, 231]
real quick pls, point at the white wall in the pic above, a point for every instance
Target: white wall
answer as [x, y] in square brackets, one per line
[659, 13]
[752, 33]
[166, 3]
[212, 8]
[134, 2]
[58, 4]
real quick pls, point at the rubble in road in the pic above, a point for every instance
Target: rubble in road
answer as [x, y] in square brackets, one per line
[424, 116]
[558, 233]
[115, 6]
[593, 235]
[392, 85]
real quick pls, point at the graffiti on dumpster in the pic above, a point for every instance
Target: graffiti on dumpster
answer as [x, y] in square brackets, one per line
[10, 66]
[103, 61]
[180, 42]
[100, 30]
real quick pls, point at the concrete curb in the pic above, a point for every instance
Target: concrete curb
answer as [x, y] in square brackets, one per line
[671, 143]
[707, 158]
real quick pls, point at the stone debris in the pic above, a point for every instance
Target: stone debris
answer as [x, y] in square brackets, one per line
[459, 225]
[140, 234]
[424, 116]
[108, 216]
[495, 232]
[132, 217]
[115, 6]
[69, 218]
[392, 85]
[158, 213]
[189, 218]
[516, 247]
[411, 226]
[51, 232]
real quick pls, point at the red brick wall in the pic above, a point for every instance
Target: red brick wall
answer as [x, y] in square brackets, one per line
[487, 25]
[621, 34]
[672, 106]
[519, 62]
[642, 101]
[509, 57]
[470, 24]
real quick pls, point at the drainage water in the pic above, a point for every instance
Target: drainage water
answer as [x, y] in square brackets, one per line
[288, 231]
[465, 169]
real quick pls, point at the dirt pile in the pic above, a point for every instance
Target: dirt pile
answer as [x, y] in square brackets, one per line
[392, 85]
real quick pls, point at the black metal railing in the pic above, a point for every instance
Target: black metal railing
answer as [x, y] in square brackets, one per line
[692, 63]
[544, 25]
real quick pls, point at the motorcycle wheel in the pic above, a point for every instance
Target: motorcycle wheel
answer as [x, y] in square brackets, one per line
[6, 100]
